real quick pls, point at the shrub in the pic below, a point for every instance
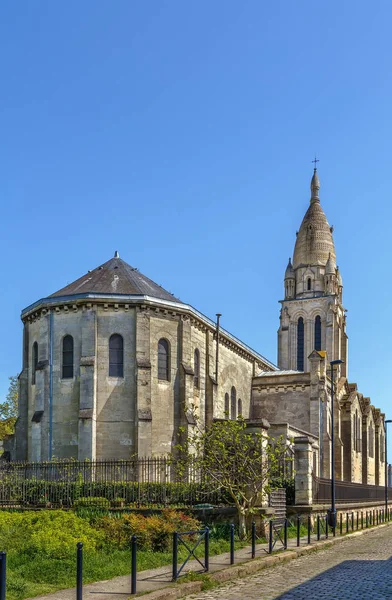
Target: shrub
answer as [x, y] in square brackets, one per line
[50, 533]
[153, 532]
[92, 502]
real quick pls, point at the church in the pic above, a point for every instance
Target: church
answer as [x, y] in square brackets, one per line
[114, 365]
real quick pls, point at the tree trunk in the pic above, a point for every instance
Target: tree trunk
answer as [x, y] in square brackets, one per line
[241, 525]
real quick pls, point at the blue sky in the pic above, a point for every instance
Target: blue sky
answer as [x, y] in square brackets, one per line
[182, 134]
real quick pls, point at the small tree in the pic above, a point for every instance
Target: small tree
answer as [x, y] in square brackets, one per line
[9, 409]
[230, 457]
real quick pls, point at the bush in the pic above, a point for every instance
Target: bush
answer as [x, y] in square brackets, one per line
[49, 533]
[153, 532]
[92, 502]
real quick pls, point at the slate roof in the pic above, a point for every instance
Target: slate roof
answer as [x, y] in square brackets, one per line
[115, 277]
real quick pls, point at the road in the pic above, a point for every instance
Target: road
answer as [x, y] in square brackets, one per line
[359, 568]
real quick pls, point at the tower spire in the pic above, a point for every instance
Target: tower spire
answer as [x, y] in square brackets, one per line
[315, 183]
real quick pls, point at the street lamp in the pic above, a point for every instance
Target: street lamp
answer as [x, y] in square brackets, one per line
[333, 503]
[386, 467]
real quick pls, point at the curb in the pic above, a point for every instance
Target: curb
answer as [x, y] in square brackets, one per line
[249, 568]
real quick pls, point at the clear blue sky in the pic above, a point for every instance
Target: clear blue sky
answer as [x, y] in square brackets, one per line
[182, 134]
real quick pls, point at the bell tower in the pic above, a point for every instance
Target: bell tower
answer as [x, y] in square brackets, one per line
[312, 316]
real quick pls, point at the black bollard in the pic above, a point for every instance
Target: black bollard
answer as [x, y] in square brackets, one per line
[367, 522]
[298, 531]
[175, 555]
[346, 522]
[253, 539]
[3, 575]
[79, 571]
[318, 527]
[357, 520]
[133, 564]
[361, 519]
[270, 541]
[207, 550]
[326, 527]
[352, 521]
[285, 534]
[309, 529]
[341, 523]
[232, 544]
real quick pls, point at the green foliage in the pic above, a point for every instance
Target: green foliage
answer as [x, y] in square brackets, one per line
[9, 409]
[92, 502]
[153, 532]
[233, 458]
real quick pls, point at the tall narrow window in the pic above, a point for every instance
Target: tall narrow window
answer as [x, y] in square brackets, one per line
[68, 357]
[239, 407]
[233, 414]
[227, 406]
[196, 368]
[163, 360]
[300, 344]
[317, 333]
[34, 362]
[371, 441]
[116, 356]
[309, 284]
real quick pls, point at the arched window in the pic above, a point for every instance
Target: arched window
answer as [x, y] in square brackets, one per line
[68, 357]
[116, 356]
[239, 407]
[196, 368]
[233, 404]
[300, 344]
[34, 362]
[163, 360]
[309, 284]
[371, 441]
[227, 406]
[317, 333]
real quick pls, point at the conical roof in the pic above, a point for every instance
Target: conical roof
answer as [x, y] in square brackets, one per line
[115, 277]
[314, 240]
[330, 267]
[289, 271]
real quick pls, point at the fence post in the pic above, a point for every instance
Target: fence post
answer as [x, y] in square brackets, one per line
[133, 564]
[232, 544]
[309, 529]
[298, 530]
[341, 523]
[79, 571]
[352, 521]
[361, 519]
[326, 527]
[347, 523]
[357, 520]
[3, 575]
[270, 538]
[367, 522]
[207, 550]
[175, 555]
[285, 534]
[253, 539]
[318, 527]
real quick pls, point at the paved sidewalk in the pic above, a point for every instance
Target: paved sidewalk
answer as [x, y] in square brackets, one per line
[268, 585]
[359, 568]
[159, 578]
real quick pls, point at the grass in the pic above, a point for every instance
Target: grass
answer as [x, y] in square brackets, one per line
[29, 576]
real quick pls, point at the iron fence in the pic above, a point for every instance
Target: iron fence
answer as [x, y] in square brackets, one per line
[347, 492]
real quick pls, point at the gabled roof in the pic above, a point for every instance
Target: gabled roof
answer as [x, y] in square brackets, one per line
[115, 277]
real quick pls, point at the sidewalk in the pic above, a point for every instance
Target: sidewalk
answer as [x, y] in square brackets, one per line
[158, 579]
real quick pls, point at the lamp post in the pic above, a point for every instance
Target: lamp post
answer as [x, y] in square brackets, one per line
[386, 466]
[333, 503]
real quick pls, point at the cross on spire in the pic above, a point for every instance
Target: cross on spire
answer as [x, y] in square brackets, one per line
[315, 161]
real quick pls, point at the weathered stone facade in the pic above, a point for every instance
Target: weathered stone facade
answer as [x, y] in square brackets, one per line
[312, 333]
[94, 415]
[114, 366]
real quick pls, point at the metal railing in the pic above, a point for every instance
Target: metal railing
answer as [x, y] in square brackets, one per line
[347, 491]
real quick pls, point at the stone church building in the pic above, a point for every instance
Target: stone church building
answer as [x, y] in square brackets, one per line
[114, 365]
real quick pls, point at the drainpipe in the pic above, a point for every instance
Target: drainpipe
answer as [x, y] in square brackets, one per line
[50, 385]
[218, 316]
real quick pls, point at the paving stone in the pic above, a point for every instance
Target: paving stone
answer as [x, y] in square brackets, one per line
[355, 569]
